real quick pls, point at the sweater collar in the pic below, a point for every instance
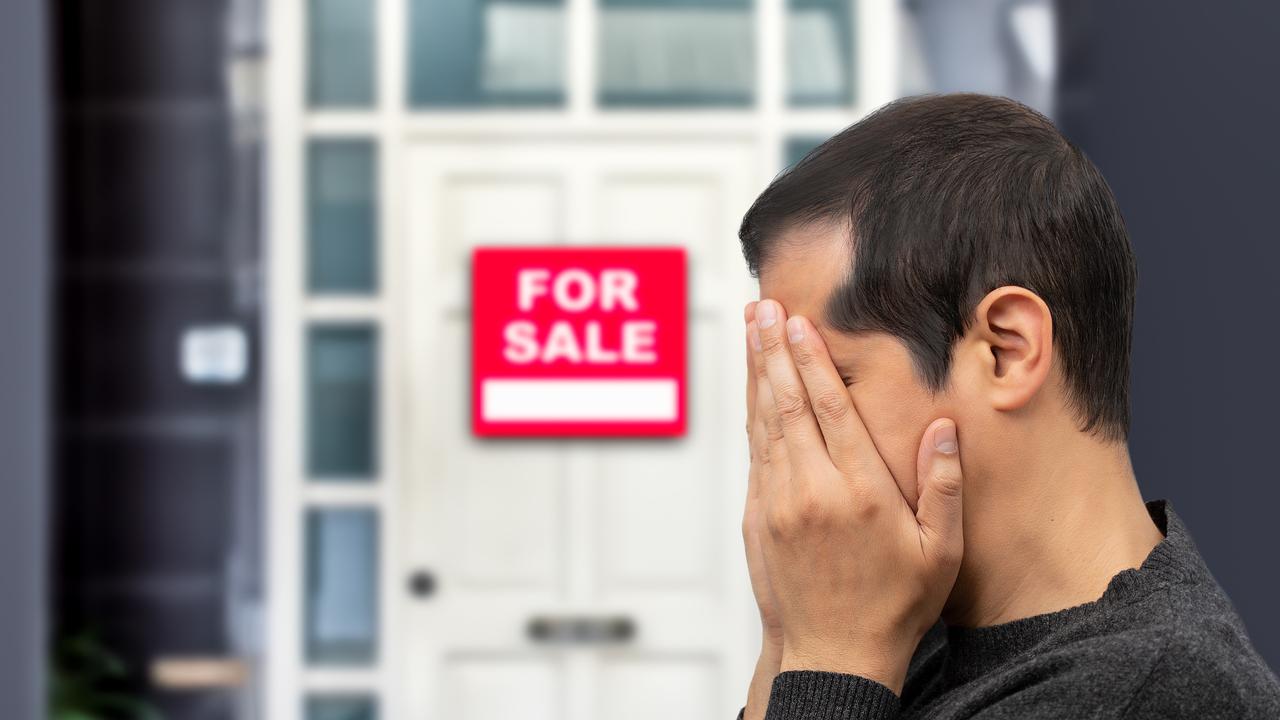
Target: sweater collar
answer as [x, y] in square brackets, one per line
[972, 652]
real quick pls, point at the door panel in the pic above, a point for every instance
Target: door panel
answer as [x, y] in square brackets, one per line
[502, 688]
[644, 688]
[666, 483]
[504, 500]
[498, 210]
[689, 213]
[577, 535]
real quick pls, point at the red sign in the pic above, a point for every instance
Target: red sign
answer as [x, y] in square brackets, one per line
[578, 341]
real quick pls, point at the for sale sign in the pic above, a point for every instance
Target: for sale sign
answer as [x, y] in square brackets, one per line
[578, 341]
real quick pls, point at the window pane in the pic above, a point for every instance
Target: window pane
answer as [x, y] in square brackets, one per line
[664, 53]
[486, 52]
[340, 53]
[341, 707]
[798, 147]
[342, 218]
[342, 382]
[342, 587]
[820, 64]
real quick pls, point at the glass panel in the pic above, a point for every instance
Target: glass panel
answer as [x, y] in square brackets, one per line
[820, 61]
[798, 147]
[486, 52]
[342, 382]
[342, 218]
[342, 586]
[341, 707]
[340, 53]
[664, 53]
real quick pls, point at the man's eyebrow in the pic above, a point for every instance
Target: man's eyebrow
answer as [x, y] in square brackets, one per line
[843, 365]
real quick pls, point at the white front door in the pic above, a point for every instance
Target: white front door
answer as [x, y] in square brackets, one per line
[572, 579]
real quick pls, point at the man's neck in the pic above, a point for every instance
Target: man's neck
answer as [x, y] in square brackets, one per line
[1047, 528]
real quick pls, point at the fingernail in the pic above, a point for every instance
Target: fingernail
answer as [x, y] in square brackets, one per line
[944, 439]
[754, 337]
[766, 314]
[795, 329]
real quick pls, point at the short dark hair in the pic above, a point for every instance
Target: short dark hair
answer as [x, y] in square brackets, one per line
[948, 197]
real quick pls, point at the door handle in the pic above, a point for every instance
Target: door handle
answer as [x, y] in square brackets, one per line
[422, 584]
[580, 630]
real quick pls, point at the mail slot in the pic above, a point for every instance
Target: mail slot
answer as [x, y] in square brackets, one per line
[574, 630]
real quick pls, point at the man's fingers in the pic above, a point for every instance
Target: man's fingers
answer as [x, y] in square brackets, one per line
[941, 484]
[748, 315]
[767, 447]
[760, 474]
[766, 415]
[842, 429]
[791, 408]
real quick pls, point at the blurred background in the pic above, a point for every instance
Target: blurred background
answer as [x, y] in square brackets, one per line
[238, 475]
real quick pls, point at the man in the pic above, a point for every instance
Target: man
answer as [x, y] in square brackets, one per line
[938, 412]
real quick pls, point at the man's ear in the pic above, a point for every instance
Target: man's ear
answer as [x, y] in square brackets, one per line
[1012, 336]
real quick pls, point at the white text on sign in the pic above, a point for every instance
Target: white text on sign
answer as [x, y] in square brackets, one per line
[574, 290]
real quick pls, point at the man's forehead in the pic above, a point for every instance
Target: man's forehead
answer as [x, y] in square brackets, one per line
[807, 265]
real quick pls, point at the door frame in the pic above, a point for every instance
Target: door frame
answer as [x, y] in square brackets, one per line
[394, 127]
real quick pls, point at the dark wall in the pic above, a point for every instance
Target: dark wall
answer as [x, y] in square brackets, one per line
[156, 531]
[24, 356]
[1177, 103]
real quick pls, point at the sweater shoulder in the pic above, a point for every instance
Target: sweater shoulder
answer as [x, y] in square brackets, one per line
[1205, 667]
[1201, 669]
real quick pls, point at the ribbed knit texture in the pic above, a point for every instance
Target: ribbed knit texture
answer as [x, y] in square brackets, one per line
[1163, 642]
[815, 695]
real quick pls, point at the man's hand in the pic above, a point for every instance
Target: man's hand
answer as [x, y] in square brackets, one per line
[753, 524]
[857, 575]
[752, 533]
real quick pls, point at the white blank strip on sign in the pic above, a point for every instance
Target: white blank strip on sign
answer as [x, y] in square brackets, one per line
[579, 400]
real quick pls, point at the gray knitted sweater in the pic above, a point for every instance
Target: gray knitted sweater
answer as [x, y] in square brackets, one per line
[1163, 641]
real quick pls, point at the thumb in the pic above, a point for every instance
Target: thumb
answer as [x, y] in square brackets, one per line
[941, 484]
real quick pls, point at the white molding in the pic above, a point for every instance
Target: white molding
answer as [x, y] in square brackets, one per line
[583, 20]
[340, 309]
[355, 493]
[324, 680]
[878, 36]
[282, 338]
[393, 28]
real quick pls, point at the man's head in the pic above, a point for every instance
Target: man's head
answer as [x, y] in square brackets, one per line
[963, 259]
